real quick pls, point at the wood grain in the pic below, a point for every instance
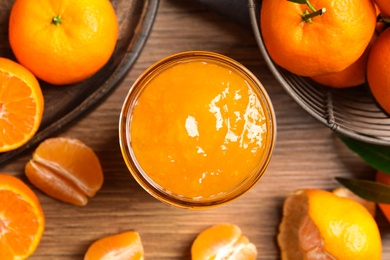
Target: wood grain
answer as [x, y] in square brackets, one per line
[307, 155]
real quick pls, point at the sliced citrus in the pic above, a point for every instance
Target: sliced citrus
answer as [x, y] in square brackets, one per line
[21, 105]
[65, 169]
[223, 241]
[123, 246]
[318, 224]
[22, 220]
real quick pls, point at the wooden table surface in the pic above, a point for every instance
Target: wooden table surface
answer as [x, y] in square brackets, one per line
[307, 155]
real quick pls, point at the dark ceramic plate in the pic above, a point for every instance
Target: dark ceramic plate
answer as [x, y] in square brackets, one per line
[351, 112]
[65, 104]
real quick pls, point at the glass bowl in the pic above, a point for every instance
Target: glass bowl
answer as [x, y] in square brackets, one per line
[197, 130]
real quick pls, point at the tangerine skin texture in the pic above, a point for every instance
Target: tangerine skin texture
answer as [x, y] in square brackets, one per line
[384, 7]
[329, 44]
[354, 75]
[22, 221]
[68, 52]
[347, 228]
[378, 67]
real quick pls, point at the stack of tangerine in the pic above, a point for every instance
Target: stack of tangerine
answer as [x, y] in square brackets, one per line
[337, 43]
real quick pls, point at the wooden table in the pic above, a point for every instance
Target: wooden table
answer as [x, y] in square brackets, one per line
[307, 155]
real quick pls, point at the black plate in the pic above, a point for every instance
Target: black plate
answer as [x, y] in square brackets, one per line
[65, 104]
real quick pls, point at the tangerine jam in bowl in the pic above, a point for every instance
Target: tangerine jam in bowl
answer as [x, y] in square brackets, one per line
[197, 130]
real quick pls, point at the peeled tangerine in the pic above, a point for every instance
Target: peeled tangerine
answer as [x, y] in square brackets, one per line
[318, 224]
[65, 169]
[223, 242]
[122, 246]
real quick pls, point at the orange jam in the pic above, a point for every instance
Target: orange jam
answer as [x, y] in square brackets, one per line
[199, 129]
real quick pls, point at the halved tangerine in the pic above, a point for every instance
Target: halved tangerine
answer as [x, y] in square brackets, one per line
[21, 105]
[22, 221]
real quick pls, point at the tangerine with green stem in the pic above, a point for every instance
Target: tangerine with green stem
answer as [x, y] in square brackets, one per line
[317, 37]
[64, 41]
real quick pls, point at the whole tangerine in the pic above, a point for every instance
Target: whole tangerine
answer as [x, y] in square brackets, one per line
[317, 37]
[63, 42]
[378, 70]
[353, 76]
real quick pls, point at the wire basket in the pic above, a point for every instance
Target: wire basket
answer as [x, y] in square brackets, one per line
[351, 112]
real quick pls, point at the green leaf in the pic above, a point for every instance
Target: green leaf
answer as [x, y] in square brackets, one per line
[369, 190]
[377, 156]
[298, 1]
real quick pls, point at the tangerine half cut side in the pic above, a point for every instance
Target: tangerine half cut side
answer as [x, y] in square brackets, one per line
[21, 105]
[22, 220]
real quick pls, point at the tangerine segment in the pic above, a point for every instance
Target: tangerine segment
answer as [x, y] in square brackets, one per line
[126, 246]
[318, 224]
[63, 41]
[21, 105]
[65, 169]
[43, 177]
[21, 219]
[223, 241]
